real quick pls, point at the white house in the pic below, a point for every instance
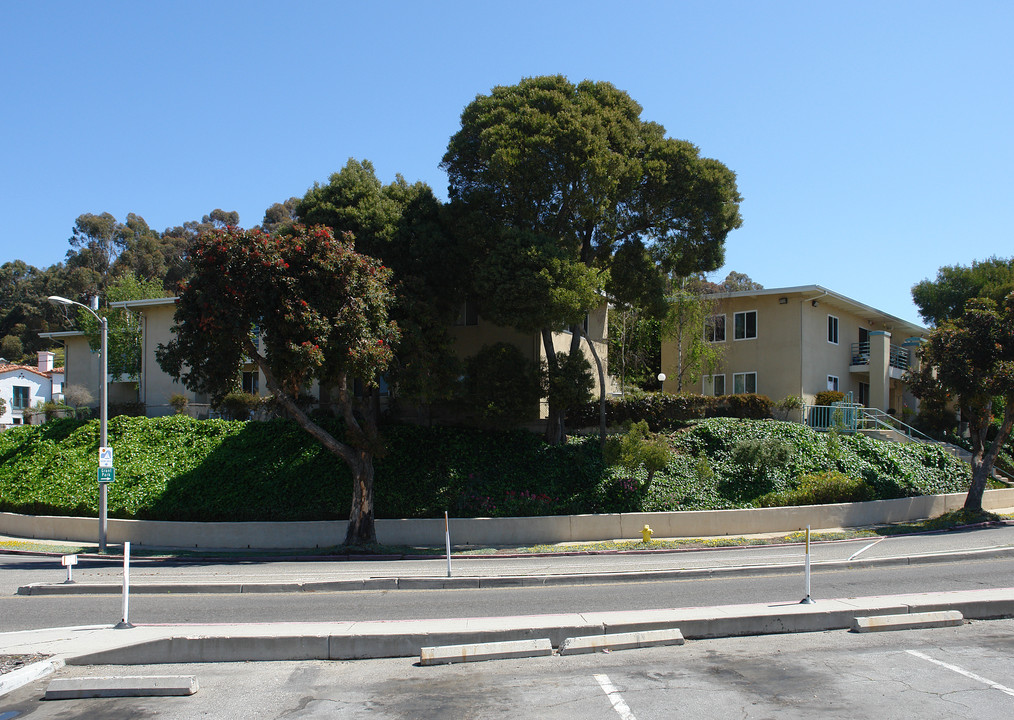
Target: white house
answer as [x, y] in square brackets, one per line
[25, 386]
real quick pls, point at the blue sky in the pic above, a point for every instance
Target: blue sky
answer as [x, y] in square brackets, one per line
[872, 141]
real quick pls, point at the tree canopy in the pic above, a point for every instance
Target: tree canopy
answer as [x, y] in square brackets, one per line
[971, 360]
[402, 225]
[944, 298]
[320, 312]
[550, 163]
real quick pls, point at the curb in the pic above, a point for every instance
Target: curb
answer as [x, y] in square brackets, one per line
[389, 639]
[353, 557]
[30, 673]
[477, 583]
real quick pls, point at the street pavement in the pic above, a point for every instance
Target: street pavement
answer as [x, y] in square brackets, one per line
[212, 574]
[380, 638]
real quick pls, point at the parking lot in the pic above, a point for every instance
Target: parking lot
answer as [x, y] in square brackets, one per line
[961, 672]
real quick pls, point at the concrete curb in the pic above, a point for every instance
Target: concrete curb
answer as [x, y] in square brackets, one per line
[30, 673]
[910, 621]
[500, 581]
[154, 644]
[447, 654]
[109, 687]
[621, 641]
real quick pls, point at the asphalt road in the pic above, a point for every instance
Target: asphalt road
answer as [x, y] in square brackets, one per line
[962, 672]
[16, 570]
[30, 612]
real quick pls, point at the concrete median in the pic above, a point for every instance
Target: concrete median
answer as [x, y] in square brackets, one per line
[405, 638]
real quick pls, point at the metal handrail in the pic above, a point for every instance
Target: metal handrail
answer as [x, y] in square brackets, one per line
[860, 353]
[877, 417]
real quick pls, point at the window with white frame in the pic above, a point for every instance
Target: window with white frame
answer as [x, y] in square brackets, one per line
[714, 385]
[745, 325]
[832, 329]
[714, 328]
[832, 382]
[744, 383]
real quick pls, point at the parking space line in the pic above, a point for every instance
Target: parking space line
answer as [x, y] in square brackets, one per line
[966, 673]
[614, 697]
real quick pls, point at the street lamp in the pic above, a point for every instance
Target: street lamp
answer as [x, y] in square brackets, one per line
[103, 407]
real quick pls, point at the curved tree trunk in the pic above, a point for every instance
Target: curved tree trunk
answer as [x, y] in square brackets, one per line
[602, 390]
[983, 459]
[362, 529]
[554, 420]
[359, 459]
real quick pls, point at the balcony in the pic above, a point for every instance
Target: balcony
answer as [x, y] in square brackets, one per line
[900, 357]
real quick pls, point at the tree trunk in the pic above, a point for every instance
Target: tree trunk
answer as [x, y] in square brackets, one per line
[602, 390]
[359, 459]
[362, 530]
[983, 459]
[554, 420]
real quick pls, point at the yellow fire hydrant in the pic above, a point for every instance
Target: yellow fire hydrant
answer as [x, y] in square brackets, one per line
[646, 534]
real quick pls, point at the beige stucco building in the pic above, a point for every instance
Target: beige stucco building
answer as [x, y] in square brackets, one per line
[802, 340]
[154, 387]
[471, 332]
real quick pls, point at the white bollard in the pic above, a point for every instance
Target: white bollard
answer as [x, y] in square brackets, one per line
[125, 622]
[447, 542]
[807, 600]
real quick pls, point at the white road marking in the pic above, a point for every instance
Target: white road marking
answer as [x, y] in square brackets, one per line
[857, 553]
[614, 697]
[961, 671]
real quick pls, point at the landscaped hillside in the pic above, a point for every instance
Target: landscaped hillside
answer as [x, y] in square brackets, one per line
[176, 468]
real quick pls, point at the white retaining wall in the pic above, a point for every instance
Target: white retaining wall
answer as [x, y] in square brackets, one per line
[496, 531]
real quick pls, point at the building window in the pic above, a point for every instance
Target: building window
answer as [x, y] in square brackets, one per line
[832, 329]
[746, 325]
[832, 382]
[744, 383]
[21, 397]
[714, 385]
[468, 313]
[251, 382]
[714, 328]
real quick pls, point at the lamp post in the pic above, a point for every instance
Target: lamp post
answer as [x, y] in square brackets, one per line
[103, 407]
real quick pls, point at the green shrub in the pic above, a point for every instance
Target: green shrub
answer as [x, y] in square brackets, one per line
[786, 405]
[660, 410]
[766, 453]
[179, 403]
[748, 405]
[238, 405]
[637, 448]
[820, 489]
[828, 397]
[502, 386]
[179, 468]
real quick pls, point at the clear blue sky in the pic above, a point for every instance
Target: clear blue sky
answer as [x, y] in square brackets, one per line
[872, 140]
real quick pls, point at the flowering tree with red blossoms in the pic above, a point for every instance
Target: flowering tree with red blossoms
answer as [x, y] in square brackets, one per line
[321, 311]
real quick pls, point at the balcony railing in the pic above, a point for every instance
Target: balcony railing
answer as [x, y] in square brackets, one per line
[900, 357]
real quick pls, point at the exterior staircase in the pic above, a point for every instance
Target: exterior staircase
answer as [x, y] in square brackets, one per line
[874, 423]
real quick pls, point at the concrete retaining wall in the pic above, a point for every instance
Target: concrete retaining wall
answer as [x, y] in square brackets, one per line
[497, 531]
